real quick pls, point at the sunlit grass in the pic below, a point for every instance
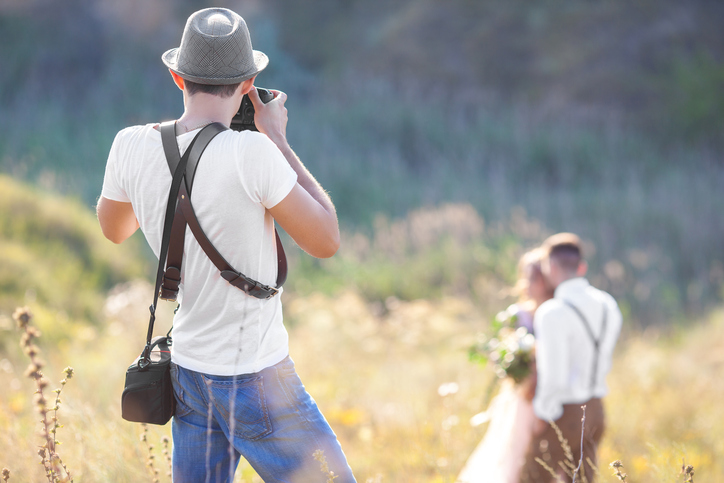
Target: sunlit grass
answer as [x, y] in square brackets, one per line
[397, 388]
[388, 366]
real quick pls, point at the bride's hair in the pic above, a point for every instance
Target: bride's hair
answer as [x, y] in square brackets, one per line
[530, 259]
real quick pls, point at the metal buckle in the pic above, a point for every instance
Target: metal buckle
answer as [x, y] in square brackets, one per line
[145, 360]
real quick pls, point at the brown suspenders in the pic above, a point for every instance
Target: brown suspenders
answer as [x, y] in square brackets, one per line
[596, 341]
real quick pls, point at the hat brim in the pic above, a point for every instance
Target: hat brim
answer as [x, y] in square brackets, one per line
[170, 58]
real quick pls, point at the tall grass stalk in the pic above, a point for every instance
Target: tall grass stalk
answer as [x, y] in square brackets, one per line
[55, 470]
[324, 466]
[580, 461]
[617, 467]
[150, 456]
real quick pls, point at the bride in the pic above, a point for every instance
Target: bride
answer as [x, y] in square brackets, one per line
[500, 455]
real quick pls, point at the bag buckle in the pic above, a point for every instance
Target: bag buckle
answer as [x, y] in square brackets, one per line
[145, 360]
[169, 286]
[249, 286]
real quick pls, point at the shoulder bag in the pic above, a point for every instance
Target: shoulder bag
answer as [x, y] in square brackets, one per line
[148, 393]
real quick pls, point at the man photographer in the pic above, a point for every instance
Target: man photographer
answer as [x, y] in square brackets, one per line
[237, 392]
[576, 332]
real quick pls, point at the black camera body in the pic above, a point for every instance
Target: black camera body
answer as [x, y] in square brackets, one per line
[244, 119]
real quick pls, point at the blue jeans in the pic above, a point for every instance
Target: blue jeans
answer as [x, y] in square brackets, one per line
[267, 417]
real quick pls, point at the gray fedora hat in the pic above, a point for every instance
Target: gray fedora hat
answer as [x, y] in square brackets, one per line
[215, 49]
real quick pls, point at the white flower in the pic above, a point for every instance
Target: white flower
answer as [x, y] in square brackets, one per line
[448, 388]
[527, 343]
[502, 316]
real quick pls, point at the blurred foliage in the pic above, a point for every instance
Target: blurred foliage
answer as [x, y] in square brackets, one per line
[556, 109]
[604, 56]
[431, 253]
[697, 103]
[449, 251]
[54, 258]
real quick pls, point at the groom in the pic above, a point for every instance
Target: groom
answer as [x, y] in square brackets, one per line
[576, 332]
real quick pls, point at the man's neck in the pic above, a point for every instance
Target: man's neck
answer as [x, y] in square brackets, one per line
[566, 283]
[202, 109]
[566, 279]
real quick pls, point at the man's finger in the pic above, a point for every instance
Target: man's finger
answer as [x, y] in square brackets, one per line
[279, 96]
[254, 96]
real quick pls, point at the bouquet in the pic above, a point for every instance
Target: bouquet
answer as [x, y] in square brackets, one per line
[510, 348]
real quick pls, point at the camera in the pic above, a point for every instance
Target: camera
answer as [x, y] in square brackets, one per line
[244, 119]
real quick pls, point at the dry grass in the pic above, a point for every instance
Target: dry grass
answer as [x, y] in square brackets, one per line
[395, 383]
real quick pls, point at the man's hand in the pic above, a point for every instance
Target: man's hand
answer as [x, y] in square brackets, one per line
[271, 118]
[307, 213]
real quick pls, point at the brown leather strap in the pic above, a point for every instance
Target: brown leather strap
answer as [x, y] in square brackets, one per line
[177, 175]
[172, 274]
[185, 215]
[235, 278]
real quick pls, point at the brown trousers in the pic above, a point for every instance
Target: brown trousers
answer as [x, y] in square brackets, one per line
[547, 446]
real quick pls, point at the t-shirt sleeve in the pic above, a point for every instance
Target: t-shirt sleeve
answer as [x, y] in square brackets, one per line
[267, 176]
[112, 183]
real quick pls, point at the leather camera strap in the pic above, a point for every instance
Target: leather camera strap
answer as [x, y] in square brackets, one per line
[177, 177]
[185, 215]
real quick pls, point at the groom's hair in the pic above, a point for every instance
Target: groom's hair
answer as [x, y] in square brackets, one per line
[565, 250]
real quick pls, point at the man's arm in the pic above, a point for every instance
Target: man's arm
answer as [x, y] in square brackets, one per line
[551, 355]
[117, 219]
[307, 214]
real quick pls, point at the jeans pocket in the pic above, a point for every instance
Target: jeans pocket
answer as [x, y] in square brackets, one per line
[244, 398]
[181, 408]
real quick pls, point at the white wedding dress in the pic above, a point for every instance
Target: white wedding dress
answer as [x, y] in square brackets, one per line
[500, 455]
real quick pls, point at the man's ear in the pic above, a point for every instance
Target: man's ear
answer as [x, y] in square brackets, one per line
[582, 269]
[246, 85]
[178, 80]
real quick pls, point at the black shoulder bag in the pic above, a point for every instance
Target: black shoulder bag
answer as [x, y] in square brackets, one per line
[148, 393]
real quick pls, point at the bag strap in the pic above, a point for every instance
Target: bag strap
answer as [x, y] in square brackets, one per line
[234, 277]
[177, 176]
[596, 341]
[172, 274]
[185, 214]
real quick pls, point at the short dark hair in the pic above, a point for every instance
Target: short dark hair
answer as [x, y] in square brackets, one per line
[224, 90]
[565, 249]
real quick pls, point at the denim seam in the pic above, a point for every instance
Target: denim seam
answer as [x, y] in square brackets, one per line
[202, 393]
[179, 395]
[292, 403]
[264, 419]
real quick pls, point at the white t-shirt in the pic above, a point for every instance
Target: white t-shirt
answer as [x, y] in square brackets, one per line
[218, 329]
[564, 349]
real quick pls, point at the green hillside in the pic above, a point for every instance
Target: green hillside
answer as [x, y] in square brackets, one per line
[54, 258]
[602, 118]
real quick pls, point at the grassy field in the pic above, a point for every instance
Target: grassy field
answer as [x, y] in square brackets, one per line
[380, 335]
[382, 375]
[440, 184]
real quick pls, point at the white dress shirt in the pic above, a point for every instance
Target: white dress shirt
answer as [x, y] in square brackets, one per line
[565, 352]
